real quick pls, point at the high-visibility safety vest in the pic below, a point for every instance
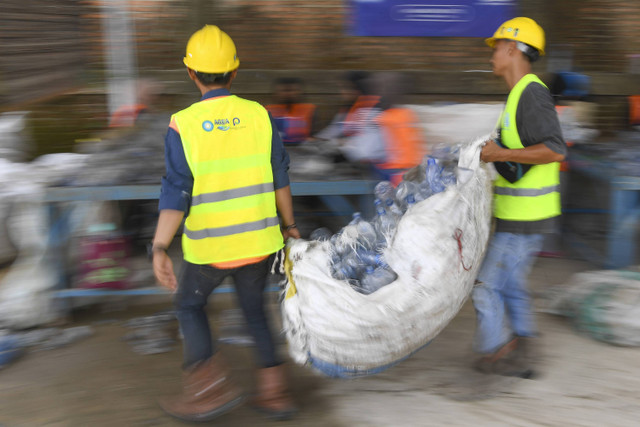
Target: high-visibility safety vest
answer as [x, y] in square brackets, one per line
[535, 196]
[298, 119]
[227, 144]
[403, 138]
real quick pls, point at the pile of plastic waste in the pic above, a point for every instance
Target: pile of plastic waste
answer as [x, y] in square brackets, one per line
[358, 248]
[151, 334]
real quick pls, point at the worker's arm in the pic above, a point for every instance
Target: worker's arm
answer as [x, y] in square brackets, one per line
[280, 168]
[168, 224]
[538, 154]
[175, 198]
[284, 204]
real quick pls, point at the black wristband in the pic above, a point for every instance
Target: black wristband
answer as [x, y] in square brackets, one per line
[290, 226]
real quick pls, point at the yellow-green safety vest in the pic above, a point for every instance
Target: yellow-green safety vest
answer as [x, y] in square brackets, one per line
[535, 196]
[227, 144]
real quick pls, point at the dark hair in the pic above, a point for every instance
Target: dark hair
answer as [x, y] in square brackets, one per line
[288, 81]
[359, 81]
[530, 52]
[209, 79]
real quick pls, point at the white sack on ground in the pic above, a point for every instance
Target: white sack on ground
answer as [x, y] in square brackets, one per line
[602, 304]
[25, 291]
[436, 252]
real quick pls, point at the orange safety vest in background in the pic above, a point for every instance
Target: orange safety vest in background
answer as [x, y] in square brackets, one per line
[126, 115]
[298, 120]
[634, 110]
[351, 119]
[403, 138]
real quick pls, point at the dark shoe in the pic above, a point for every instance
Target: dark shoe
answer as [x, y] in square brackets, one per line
[273, 396]
[207, 393]
[512, 360]
[524, 358]
[497, 362]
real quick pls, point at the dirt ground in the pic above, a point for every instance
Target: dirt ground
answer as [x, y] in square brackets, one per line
[100, 381]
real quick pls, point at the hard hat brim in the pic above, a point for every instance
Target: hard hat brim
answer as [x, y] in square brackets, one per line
[491, 42]
[236, 64]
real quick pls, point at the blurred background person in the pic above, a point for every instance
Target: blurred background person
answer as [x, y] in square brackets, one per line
[147, 91]
[377, 131]
[404, 141]
[295, 118]
[356, 99]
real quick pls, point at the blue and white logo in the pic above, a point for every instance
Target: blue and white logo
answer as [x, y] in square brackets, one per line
[222, 124]
[507, 120]
[236, 121]
[207, 125]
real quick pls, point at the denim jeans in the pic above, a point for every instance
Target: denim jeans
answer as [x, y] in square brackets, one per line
[501, 297]
[195, 284]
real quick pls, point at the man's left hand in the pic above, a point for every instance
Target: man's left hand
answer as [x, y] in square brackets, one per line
[492, 152]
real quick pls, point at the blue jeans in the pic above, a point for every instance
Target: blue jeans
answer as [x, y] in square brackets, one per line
[195, 284]
[502, 291]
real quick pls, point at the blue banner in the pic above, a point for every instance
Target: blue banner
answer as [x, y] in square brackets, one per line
[429, 18]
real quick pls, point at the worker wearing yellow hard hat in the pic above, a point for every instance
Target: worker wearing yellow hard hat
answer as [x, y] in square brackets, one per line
[526, 153]
[227, 174]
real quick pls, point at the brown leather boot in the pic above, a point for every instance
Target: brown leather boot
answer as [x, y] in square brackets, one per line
[207, 392]
[273, 395]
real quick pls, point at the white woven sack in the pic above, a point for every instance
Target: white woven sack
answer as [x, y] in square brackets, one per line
[436, 252]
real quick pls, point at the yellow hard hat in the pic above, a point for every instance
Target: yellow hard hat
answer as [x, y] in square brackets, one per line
[520, 29]
[210, 50]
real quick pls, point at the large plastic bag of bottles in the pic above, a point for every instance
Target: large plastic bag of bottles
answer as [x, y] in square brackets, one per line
[358, 302]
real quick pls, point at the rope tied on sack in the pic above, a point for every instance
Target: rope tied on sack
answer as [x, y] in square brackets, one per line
[458, 236]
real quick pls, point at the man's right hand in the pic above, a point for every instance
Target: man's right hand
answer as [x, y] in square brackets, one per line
[163, 270]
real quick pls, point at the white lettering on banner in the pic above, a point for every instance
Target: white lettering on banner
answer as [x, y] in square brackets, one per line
[496, 3]
[433, 13]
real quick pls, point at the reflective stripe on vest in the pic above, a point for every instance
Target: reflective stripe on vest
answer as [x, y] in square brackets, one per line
[536, 195]
[227, 144]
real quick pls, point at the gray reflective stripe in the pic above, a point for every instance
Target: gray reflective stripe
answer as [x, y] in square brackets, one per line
[231, 229]
[220, 196]
[526, 192]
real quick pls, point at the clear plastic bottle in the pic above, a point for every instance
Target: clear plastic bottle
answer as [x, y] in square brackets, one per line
[384, 191]
[372, 259]
[367, 236]
[321, 234]
[434, 176]
[385, 226]
[375, 279]
[357, 217]
[406, 189]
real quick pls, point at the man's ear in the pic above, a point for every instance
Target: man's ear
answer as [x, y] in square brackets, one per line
[192, 74]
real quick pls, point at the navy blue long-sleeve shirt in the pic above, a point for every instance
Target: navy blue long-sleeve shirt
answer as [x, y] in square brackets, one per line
[177, 184]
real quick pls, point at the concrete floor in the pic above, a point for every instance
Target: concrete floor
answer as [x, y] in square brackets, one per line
[101, 382]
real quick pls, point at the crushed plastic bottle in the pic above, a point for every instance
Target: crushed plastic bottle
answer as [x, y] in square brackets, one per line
[434, 176]
[384, 191]
[385, 226]
[367, 236]
[408, 189]
[373, 259]
[357, 217]
[375, 279]
[321, 234]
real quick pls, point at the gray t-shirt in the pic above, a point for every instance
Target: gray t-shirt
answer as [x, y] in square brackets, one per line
[537, 122]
